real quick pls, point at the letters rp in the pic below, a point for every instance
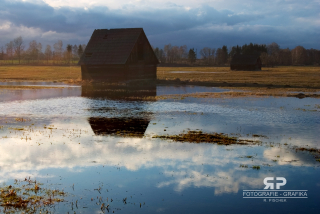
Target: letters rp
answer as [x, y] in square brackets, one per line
[271, 185]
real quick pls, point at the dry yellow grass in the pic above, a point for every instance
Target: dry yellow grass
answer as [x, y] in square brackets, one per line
[40, 73]
[254, 92]
[286, 78]
[279, 77]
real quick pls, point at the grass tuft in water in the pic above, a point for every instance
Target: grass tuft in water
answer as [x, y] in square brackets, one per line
[256, 167]
[199, 137]
[29, 197]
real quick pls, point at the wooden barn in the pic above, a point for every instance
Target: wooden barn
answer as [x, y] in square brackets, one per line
[244, 62]
[118, 54]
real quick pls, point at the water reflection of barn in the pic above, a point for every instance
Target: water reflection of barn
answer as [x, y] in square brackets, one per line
[121, 123]
[118, 54]
[244, 62]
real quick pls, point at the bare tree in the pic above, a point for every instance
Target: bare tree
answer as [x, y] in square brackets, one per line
[40, 54]
[175, 53]
[268, 60]
[207, 54]
[175, 56]
[10, 50]
[34, 50]
[48, 53]
[273, 48]
[84, 47]
[18, 46]
[167, 51]
[298, 55]
[1, 53]
[160, 54]
[285, 57]
[58, 50]
[75, 51]
[183, 52]
[80, 51]
[213, 53]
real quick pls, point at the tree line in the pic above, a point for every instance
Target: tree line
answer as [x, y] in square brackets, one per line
[16, 52]
[270, 55]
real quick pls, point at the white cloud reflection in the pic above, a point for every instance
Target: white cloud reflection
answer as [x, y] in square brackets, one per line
[184, 164]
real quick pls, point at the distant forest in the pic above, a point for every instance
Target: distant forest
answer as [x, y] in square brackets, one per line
[270, 55]
[17, 52]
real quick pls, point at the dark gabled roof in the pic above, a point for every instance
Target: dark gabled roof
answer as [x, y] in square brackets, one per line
[110, 46]
[244, 59]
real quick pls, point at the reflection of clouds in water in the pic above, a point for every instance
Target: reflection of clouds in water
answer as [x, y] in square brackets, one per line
[305, 141]
[223, 181]
[199, 165]
[5, 176]
[289, 157]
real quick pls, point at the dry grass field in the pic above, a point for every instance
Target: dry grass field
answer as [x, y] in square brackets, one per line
[40, 73]
[279, 77]
[269, 81]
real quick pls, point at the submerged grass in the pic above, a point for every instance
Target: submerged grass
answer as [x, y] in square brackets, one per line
[256, 167]
[224, 139]
[28, 198]
[314, 150]
[199, 137]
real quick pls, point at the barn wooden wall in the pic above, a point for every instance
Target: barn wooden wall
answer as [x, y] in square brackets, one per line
[118, 72]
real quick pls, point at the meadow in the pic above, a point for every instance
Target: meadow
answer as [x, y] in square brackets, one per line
[39, 73]
[286, 78]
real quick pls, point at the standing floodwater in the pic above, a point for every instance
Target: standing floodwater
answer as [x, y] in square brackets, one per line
[99, 146]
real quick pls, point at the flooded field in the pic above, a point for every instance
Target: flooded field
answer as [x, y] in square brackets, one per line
[97, 151]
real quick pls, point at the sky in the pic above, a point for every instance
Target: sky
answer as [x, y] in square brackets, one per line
[197, 24]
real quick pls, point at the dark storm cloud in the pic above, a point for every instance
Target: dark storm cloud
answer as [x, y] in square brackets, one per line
[31, 15]
[198, 27]
[65, 19]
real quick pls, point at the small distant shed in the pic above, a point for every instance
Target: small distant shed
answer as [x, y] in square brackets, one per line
[122, 54]
[245, 62]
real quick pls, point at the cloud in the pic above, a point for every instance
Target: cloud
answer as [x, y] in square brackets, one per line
[196, 24]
